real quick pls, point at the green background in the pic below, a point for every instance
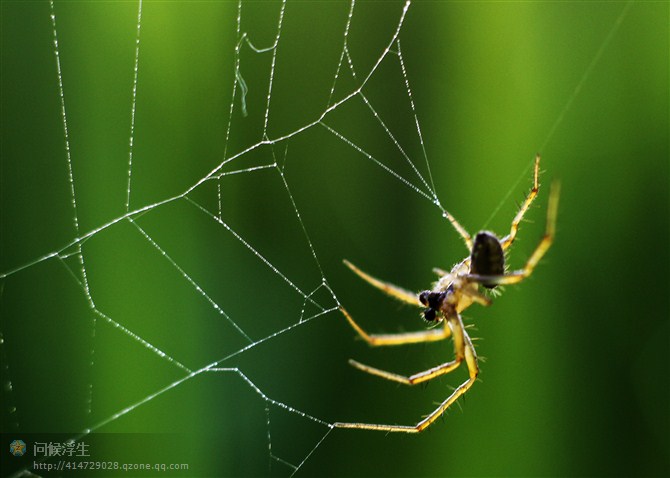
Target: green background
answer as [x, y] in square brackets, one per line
[575, 381]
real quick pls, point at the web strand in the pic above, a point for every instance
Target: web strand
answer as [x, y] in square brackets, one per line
[75, 215]
[61, 95]
[344, 53]
[133, 107]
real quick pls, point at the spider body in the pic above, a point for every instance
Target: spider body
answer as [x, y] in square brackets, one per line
[487, 257]
[454, 292]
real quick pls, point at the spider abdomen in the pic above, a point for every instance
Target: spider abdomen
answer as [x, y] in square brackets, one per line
[487, 258]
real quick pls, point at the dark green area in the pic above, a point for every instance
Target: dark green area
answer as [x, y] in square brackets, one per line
[575, 377]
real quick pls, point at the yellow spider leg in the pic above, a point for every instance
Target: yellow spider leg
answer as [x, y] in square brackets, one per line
[544, 245]
[460, 229]
[509, 239]
[440, 272]
[412, 379]
[473, 369]
[386, 287]
[463, 350]
[430, 335]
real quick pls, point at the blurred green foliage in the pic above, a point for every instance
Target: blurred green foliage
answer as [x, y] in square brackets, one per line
[576, 377]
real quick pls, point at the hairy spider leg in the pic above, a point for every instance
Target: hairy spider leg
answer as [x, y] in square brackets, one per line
[544, 245]
[507, 241]
[386, 287]
[419, 377]
[463, 350]
[460, 229]
[375, 340]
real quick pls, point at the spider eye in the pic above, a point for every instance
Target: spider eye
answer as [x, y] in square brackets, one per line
[429, 314]
[432, 299]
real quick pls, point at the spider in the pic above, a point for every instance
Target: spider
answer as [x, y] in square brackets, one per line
[454, 292]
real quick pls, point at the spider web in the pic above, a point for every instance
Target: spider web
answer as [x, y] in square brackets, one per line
[190, 290]
[253, 292]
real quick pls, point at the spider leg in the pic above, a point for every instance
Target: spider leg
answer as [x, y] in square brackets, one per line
[464, 351]
[460, 229]
[544, 245]
[386, 287]
[507, 241]
[412, 379]
[430, 335]
[477, 297]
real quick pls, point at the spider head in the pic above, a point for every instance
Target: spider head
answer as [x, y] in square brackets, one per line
[487, 257]
[433, 301]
